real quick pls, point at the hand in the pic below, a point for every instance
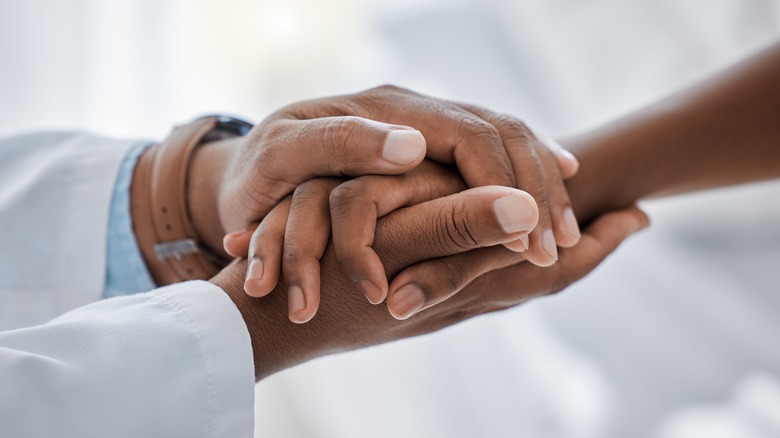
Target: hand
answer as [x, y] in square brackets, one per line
[346, 321]
[306, 217]
[339, 136]
[529, 160]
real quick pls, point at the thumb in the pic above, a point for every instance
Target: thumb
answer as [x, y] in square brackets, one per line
[474, 218]
[284, 153]
[599, 240]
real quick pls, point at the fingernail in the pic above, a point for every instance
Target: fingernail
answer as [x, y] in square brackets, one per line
[570, 223]
[253, 283]
[402, 146]
[295, 300]
[524, 239]
[371, 291]
[407, 301]
[568, 155]
[548, 243]
[514, 214]
[255, 270]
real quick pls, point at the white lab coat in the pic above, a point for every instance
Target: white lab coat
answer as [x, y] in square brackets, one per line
[173, 362]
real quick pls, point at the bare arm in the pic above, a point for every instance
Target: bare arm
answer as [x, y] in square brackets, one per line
[723, 131]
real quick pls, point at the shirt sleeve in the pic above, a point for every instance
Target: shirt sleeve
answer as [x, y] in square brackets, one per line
[126, 272]
[173, 362]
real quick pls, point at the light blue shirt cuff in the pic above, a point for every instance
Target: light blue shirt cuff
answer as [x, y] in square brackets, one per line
[126, 271]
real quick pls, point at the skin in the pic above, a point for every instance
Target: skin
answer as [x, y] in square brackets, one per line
[721, 132]
[346, 321]
[248, 177]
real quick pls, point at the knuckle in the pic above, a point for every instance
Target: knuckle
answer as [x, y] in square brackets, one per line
[348, 193]
[291, 258]
[296, 257]
[388, 89]
[542, 201]
[513, 128]
[316, 186]
[310, 192]
[454, 235]
[449, 275]
[338, 133]
[474, 128]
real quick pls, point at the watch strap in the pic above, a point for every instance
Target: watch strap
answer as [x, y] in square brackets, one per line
[165, 233]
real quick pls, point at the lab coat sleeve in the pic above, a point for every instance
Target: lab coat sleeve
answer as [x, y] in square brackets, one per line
[175, 362]
[55, 192]
[172, 362]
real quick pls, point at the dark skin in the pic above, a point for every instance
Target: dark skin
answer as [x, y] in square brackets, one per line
[722, 132]
[346, 321]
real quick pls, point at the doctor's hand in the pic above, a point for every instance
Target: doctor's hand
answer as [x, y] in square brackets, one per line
[486, 280]
[387, 130]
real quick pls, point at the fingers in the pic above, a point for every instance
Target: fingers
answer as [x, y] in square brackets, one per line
[291, 238]
[430, 282]
[284, 152]
[236, 244]
[599, 240]
[562, 222]
[454, 136]
[568, 164]
[536, 171]
[474, 218]
[348, 145]
[265, 251]
[307, 234]
[355, 206]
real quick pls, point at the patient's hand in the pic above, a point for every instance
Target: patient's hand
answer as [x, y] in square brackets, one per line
[346, 321]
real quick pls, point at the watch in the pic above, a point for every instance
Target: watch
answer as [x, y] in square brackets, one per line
[168, 240]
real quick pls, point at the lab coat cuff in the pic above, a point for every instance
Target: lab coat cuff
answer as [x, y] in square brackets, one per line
[226, 351]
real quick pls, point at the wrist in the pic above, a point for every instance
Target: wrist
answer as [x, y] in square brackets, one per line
[625, 161]
[277, 343]
[204, 184]
[162, 195]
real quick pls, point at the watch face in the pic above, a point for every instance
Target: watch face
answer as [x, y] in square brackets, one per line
[227, 127]
[234, 125]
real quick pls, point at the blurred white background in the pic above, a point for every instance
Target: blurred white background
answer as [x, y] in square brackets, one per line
[676, 336]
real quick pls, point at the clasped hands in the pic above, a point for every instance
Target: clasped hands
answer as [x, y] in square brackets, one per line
[328, 199]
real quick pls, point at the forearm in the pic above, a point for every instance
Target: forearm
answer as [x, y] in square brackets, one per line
[722, 132]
